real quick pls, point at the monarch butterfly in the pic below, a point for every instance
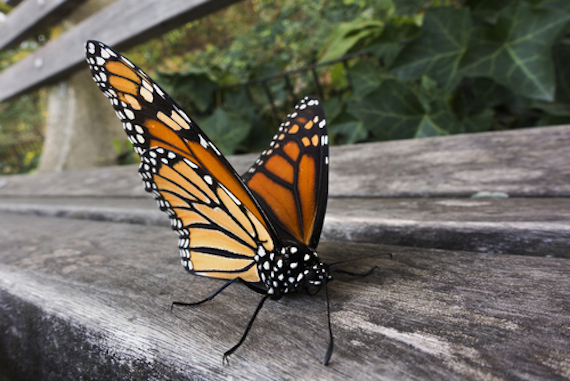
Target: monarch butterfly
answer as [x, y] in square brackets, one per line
[262, 228]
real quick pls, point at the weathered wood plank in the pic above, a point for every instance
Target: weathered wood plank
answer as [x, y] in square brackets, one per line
[122, 24]
[526, 226]
[98, 294]
[30, 17]
[529, 226]
[527, 162]
[523, 163]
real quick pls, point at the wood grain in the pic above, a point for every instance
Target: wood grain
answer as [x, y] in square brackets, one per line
[528, 162]
[30, 17]
[98, 294]
[122, 24]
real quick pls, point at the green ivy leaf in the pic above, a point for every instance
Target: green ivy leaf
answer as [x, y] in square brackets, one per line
[409, 7]
[440, 118]
[438, 51]
[479, 122]
[338, 78]
[365, 76]
[561, 104]
[428, 129]
[558, 5]
[516, 52]
[349, 132]
[333, 108]
[476, 94]
[347, 35]
[196, 85]
[428, 91]
[393, 111]
[392, 40]
[237, 101]
[487, 10]
[226, 129]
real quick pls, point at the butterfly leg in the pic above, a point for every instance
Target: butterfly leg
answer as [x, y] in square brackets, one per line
[232, 349]
[203, 300]
[331, 340]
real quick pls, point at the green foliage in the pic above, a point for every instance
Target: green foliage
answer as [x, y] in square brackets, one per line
[20, 133]
[183, 86]
[125, 153]
[347, 35]
[516, 51]
[423, 68]
[281, 35]
[481, 67]
[476, 67]
[438, 49]
[226, 128]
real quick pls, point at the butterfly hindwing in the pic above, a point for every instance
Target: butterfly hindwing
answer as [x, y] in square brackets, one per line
[218, 236]
[290, 178]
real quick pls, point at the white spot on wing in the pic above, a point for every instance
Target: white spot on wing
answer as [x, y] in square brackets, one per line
[234, 198]
[203, 141]
[215, 149]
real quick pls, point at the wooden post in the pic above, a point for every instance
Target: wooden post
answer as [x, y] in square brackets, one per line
[80, 127]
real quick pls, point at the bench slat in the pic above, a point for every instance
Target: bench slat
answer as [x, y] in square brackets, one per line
[30, 17]
[139, 20]
[530, 226]
[12, 2]
[522, 163]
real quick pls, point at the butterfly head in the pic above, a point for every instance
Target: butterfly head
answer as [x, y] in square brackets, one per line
[292, 268]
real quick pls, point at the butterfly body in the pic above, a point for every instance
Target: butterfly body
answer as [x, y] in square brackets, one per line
[291, 269]
[261, 228]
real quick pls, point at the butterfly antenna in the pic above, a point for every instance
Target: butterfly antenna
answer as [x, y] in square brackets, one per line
[203, 300]
[331, 340]
[232, 349]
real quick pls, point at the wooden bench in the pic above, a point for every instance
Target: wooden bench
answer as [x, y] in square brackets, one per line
[477, 288]
[90, 293]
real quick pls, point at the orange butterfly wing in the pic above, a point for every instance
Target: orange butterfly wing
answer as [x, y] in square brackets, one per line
[220, 224]
[151, 118]
[290, 178]
[218, 236]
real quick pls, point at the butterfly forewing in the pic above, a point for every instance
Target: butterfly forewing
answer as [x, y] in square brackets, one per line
[152, 119]
[290, 178]
[220, 224]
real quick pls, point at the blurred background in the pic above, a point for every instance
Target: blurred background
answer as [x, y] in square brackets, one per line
[384, 69]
